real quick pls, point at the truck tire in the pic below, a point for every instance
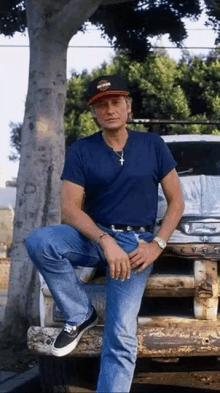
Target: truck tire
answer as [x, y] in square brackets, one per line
[53, 374]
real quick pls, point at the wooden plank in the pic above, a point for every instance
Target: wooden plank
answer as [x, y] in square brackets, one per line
[206, 290]
[170, 285]
[153, 342]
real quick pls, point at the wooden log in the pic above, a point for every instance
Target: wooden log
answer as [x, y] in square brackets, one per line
[40, 340]
[172, 342]
[159, 285]
[206, 290]
[153, 342]
[176, 322]
[170, 285]
[164, 285]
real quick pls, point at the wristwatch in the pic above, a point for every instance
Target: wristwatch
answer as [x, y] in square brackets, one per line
[161, 243]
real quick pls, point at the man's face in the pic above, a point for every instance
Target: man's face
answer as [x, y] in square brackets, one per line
[111, 112]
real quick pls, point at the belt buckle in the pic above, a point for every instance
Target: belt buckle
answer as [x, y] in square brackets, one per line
[129, 228]
[142, 229]
[112, 227]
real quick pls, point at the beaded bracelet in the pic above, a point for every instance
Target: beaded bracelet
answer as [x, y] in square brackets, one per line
[100, 237]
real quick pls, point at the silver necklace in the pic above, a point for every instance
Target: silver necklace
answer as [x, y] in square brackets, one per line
[121, 156]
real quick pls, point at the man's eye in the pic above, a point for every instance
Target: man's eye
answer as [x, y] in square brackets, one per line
[100, 104]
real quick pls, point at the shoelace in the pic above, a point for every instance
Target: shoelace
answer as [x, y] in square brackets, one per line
[69, 328]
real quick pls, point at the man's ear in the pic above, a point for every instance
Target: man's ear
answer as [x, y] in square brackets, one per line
[93, 112]
[129, 104]
[129, 107]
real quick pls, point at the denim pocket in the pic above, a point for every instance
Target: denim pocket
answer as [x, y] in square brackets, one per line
[127, 241]
[146, 236]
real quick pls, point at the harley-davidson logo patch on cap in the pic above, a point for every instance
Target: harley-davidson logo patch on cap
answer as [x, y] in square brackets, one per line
[103, 85]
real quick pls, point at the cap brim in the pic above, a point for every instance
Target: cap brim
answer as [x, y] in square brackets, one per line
[106, 94]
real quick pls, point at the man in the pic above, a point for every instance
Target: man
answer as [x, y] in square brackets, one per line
[119, 171]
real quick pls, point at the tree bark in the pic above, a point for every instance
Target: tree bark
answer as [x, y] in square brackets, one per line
[51, 24]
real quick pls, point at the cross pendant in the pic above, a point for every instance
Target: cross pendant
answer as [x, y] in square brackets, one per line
[122, 160]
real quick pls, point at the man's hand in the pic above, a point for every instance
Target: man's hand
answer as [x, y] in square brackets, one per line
[144, 255]
[117, 259]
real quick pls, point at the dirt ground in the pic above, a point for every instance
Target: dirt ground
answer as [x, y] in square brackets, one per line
[192, 375]
[16, 358]
[188, 375]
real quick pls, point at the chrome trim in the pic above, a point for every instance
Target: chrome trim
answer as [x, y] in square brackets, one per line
[194, 250]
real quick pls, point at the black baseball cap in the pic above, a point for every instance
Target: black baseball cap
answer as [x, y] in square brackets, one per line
[106, 85]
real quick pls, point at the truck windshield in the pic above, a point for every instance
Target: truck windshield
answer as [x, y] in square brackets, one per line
[196, 158]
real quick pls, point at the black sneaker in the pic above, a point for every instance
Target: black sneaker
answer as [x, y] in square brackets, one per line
[69, 337]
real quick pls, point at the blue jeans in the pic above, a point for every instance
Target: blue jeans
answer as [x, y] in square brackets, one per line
[56, 250]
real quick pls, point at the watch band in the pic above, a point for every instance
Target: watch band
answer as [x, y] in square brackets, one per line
[161, 243]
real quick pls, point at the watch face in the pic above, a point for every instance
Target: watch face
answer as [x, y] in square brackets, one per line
[161, 244]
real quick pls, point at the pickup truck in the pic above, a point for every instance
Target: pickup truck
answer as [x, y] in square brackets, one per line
[179, 312]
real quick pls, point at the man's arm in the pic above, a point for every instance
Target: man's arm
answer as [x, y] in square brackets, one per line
[146, 253]
[72, 214]
[72, 196]
[175, 204]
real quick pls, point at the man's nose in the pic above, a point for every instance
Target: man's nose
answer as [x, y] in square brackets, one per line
[110, 107]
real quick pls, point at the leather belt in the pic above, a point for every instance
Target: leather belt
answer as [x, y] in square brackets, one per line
[128, 228]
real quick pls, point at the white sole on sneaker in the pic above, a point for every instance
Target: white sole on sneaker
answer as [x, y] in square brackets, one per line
[69, 348]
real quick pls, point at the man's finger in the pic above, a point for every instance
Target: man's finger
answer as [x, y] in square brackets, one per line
[123, 274]
[117, 270]
[128, 269]
[112, 267]
[137, 261]
[133, 253]
[136, 264]
[112, 270]
[135, 258]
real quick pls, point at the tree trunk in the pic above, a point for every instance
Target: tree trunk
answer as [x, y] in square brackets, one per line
[51, 24]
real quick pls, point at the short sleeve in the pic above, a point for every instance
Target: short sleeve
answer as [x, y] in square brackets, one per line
[165, 161]
[73, 166]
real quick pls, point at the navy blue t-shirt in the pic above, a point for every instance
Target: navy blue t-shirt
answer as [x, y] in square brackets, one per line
[119, 194]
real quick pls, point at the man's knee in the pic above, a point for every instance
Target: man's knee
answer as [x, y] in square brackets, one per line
[36, 241]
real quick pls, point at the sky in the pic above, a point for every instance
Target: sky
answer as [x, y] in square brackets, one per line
[14, 73]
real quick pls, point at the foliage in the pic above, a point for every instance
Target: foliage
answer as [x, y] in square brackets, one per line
[15, 138]
[12, 17]
[213, 16]
[139, 20]
[201, 83]
[161, 89]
